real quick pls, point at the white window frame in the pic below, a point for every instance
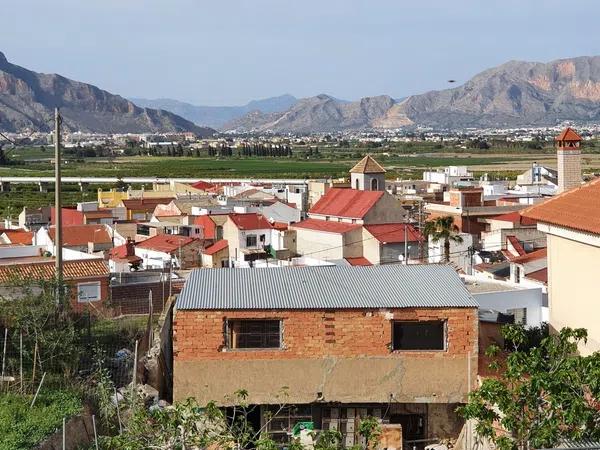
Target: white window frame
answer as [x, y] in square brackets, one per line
[89, 298]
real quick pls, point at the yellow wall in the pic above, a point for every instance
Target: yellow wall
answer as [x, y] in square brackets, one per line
[573, 287]
[112, 198]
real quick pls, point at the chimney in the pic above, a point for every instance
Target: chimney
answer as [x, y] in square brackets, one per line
[130, 247]
[568, 155]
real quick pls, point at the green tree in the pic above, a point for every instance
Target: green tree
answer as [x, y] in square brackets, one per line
[443, 229]
[545, 393]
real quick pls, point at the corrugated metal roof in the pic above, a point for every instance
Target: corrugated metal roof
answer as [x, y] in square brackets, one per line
[330, 287]
[579, 444]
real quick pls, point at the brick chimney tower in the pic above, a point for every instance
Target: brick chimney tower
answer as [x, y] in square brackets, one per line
[568, 154]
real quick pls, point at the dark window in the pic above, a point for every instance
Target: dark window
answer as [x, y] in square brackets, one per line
[427, 335]
[253, 333]
[251, 240]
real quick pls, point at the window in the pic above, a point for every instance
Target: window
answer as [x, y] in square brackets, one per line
[88, 292]
[517, 274]
[251, 240]
[262, 238]
[356, 185]
[520, 315]
[426, 335]
[374, 184]
[250, 333]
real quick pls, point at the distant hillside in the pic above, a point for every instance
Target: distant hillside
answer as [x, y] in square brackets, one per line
[318, 114]
[217, 116]
[513, 94]
[28, 99]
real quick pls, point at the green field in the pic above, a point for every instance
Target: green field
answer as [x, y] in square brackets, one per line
[190, 167]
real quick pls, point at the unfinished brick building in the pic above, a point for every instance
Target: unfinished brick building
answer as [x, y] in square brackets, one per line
[396, 342]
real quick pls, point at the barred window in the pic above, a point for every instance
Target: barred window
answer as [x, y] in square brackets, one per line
[253, 333]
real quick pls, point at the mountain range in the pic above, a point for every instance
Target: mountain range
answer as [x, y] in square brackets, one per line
[516, 93]
[28, 99]
[218, 116]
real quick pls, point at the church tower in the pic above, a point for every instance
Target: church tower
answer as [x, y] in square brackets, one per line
[568, 154]
[367, 175]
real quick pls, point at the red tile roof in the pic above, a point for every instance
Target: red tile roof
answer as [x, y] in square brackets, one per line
[208, 225]
[19, 236]
[533, 256]
[516, 245]
[359, 261]
[203, 185]
[105, 214]
[216, 247]
[145, 204]
[82, 234]
[394, 232]
[578, 209]
[351, 203]
[568, 134]
[85, 268]
[281, 226]
[166, 243]
[515, 217]
[326, 226]
[120, 253]
[250, 221]
[539, 275]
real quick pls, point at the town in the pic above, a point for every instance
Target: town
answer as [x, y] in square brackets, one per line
[316, 225]
[362, 296]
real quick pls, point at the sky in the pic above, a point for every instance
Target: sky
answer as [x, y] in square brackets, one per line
[228, 52]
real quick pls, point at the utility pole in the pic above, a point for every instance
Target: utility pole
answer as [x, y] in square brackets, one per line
[405, 243]
[57, 199]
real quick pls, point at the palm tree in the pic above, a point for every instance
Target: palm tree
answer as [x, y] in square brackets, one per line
[443, 228]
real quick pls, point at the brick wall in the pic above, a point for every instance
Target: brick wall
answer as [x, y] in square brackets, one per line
[82, 306]
[198, 335]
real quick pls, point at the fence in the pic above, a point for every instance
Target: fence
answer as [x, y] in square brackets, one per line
[73, 347]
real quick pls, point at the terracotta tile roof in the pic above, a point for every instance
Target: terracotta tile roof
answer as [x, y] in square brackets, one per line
[568, 134]
[515, 217]
[145, 204]
[281, 226]
[516, 245]
[82, 234]
[578, 209]
[528, 257]
[250, 221]
[367, 165]
[539, 275]
[19, 236]
[85, 268]
[326, 226]
[351, 203]
[106, 214]
[394, 232]
[359, 261]
[208, 225]
[120, 253]
[203, 185]
[166, 243]
[216, 247]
